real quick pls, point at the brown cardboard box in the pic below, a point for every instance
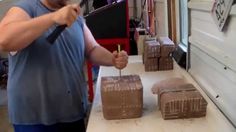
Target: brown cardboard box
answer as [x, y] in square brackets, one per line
[151, 50]
[151, 64]
[122, 98]
[167, 46]
[151, 54]
[183, 101]
[165, 63]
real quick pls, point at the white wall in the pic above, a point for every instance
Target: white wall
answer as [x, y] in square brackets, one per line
[213, 61]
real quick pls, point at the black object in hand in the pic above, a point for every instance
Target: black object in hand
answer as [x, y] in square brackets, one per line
[59, 29]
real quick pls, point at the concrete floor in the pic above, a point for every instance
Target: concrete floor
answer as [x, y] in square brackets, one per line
[5, 126]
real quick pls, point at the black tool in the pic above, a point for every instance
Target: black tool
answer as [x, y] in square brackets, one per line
[59, 29]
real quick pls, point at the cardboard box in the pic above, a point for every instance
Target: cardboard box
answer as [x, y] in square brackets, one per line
[167, 46]
[151, 64]
[183, 101]
[166, 63]
[122, 97]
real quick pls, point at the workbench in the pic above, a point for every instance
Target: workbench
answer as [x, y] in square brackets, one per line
[151, 120]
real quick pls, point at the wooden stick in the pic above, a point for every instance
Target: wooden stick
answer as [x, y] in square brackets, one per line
[118, 53]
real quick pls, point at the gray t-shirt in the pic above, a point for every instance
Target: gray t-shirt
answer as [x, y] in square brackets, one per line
[46, 82]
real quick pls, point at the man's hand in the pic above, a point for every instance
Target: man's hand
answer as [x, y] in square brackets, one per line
[66, 15]
[19, 23]
[120, 60]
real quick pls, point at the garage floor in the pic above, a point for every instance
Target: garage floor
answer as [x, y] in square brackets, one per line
[5, 126]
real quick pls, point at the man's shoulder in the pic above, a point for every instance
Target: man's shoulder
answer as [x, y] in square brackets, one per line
[80, 20]
[27, 5]
[27, 2]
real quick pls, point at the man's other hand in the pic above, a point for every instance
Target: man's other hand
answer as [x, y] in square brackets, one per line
[120, 60]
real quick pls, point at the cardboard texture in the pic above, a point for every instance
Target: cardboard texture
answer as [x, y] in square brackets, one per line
[158, 55]
[151, 54]
[151, 64]
[122, 97]
[166, 63]
[183, 101]
[166, 83]
[167, 46]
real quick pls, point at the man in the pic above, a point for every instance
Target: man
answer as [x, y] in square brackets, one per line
[46, 86]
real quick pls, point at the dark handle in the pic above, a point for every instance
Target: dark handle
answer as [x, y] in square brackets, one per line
[54, 35]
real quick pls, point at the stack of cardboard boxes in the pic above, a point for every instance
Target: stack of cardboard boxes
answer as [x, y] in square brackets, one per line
[157, 54]
[165, 60]
[151, 55]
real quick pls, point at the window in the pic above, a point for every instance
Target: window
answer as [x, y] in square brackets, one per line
[181, 55]
[183, 6]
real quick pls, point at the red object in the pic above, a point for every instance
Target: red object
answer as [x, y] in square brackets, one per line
[90, 82]
[111, 45]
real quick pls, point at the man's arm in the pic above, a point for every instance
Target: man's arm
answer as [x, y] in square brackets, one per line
[101, 56]
[18, 29]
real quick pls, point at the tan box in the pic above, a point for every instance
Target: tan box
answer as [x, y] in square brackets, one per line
[151, 50]
[151, 64]
[122, 98]
[151, 54]
[166, 63]
[167, 46]
[183, 101]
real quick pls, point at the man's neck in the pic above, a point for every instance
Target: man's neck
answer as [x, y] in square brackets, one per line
[51, 5]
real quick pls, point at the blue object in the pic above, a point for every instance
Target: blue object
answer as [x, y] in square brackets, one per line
[77, 126]
[95, 71]
[46, 82]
